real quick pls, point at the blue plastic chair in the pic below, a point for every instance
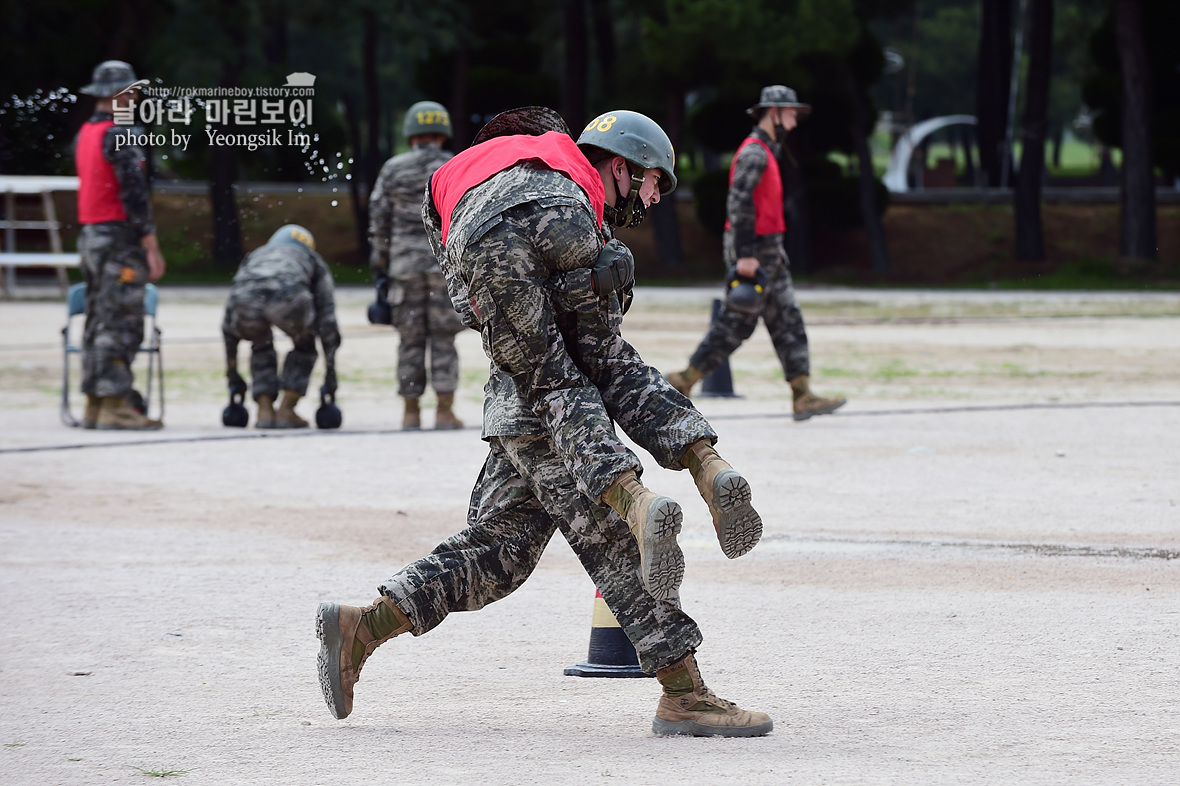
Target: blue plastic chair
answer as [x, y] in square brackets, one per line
[76, 306]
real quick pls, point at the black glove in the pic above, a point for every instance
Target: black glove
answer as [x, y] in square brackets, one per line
[614, 269]
[237, 385]
[329, 381]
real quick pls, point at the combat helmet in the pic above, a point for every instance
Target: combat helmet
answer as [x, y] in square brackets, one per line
[427, 117]
[292, 233]
[109, 79]
[642, 143]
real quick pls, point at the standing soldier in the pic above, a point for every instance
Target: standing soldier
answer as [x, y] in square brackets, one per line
[119, 250]
[759, 279]
[288, 285]
[404, 266]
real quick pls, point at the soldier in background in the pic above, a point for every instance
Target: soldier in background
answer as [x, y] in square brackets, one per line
[404, 266]
[755, 257]
[284, 284]
[119, 250]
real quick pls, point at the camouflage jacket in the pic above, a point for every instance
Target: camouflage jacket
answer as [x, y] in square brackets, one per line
[739, 205]
[481, 208]
[292, 267]
[129, 162]
[504, 411]
[396, 236]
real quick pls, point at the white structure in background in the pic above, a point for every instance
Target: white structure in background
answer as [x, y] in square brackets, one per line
[896, 179]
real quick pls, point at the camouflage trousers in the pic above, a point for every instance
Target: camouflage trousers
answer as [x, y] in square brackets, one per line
[114, 264]
[784, 321]
[573, 389]
[524, 494]
[250, 313]
[425, 319]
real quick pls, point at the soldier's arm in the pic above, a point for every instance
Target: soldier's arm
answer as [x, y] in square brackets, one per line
[325, 311]
[739, 205]
[237, 385]
[133, 185]
[380, 223]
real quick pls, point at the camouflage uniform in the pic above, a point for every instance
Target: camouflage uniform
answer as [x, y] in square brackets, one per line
[509, 237]
[422, 310]
[780, 311]
[524, 494]
[288, 286]
[114, 265]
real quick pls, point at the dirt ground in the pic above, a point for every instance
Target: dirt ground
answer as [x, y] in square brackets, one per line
[968, 575]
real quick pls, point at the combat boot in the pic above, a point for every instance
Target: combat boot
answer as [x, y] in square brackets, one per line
[444, 417]
[266, 413]
[684, 380]
[348, 636]
[727, 493]
[90, 415]
[114, 413]
[688, 707]
[412, 419]
[285, 416]
[808, 404]
[654, 522]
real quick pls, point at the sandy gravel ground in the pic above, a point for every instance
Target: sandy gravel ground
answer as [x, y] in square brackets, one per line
[969, 575]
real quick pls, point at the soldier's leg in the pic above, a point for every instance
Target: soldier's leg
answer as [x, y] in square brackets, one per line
[784, 321]
[443, 324]
[294, 314]
[411, 324]
[660, 631]
[724, 336]
[117, 278]
[506, 533]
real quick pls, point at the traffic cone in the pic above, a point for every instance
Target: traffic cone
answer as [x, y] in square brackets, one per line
[611, 652]
[719, 383]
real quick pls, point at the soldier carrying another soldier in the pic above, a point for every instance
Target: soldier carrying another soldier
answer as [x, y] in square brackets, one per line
[759, 278]
[119, 250]
[285, 283]
[405, 268]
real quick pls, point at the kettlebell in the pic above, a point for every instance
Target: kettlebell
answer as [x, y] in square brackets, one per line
[745, 294]
[328, 416]
[235, 415]
[380, 313]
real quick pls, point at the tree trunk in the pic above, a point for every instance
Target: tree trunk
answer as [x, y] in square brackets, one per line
[867, 179]
[360, 202]
[227, 231]
[372, 158]
[604, 42]
[991, 96]
[1137, 240]
[461, 131]
[1030, 240]
[965, 139]
[797, 206]
[663, 214]
[573, 87]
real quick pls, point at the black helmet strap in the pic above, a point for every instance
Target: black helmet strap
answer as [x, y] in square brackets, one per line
[632, 210]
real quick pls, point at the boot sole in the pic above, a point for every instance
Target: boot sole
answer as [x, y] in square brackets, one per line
[739, 527]
[814, 412]
[665, 728]
[327, 629]
[662, 565]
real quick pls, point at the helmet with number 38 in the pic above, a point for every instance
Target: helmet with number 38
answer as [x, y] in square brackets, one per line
[638, 139]
[292, 233]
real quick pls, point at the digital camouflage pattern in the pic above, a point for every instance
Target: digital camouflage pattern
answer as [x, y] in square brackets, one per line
[509, 237]
[114, 265]
[422, 310]
[523, 495]
[425, 319]
[288, 286]
[780, 310]
[396, 237]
